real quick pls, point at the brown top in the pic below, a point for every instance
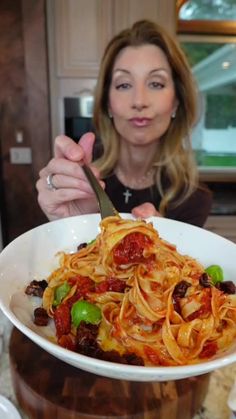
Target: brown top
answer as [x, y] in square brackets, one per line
[193, 210]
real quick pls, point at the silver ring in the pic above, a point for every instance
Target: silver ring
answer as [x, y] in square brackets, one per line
[50, 182]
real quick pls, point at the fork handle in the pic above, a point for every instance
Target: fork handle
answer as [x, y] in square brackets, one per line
[107, 209]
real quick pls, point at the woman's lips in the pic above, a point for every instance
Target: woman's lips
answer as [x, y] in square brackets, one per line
[140, 122]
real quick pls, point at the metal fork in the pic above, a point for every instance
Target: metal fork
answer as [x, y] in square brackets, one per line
[107, 209]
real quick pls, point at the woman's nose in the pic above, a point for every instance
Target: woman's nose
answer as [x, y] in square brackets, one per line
[140, 98]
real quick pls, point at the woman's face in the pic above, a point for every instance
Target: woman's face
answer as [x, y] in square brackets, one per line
[142, 95]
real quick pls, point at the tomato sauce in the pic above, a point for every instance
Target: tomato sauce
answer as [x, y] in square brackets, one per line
[68, 342]
[209, 350]
[62, 320]
[130, 249]
[205, 306]
[111, 284]
[84, 284]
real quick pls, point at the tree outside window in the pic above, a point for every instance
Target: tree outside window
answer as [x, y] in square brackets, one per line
[213, 62]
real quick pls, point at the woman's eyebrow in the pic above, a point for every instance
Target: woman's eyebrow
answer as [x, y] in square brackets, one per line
[159, 70]
[155, 70]
[121, 70]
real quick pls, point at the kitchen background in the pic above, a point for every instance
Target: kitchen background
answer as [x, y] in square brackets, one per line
[49, 58]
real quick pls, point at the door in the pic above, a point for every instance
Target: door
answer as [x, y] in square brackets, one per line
[24, 113]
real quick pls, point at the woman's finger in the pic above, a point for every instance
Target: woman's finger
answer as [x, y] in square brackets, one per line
[66, 174]
[87, 143]
[65, 147]
[145, 210]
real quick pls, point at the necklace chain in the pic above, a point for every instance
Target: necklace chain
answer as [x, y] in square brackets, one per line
[139, 183]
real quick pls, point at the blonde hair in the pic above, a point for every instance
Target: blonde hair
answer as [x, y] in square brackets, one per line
[174, 156]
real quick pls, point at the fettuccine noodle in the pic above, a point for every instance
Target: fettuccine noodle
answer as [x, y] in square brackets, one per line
[162, 313]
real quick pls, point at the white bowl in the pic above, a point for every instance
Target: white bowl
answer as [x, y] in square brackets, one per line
[32, 256]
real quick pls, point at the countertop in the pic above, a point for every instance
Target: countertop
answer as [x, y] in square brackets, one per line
[214, 406]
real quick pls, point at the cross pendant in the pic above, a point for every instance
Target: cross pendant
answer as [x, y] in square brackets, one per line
[127, 194]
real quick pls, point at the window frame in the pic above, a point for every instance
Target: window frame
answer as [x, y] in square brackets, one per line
[198, 37]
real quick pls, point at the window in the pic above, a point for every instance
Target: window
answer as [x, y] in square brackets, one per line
[213, 61]
[207, 16]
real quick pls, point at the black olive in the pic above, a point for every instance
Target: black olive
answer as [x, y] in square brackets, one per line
[81, 246]
[228, 287]
[41, 317]
[180, 289]
[204, 280]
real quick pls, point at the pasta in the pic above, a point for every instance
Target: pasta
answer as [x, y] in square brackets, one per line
[155, 302]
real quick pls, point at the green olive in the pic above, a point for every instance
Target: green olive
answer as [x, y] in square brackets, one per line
[85, 311]
[60, 293]
[216, 273]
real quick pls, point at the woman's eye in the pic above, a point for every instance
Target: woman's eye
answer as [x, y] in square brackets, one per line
[123, 86]
[156, 85]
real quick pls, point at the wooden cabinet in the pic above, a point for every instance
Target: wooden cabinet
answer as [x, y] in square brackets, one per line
[126, 12]
[84, 27]
[223, 225]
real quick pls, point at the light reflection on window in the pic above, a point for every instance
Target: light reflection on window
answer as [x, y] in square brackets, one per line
[208, 9]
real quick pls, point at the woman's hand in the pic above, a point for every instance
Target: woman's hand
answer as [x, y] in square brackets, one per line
[145, 210]
[72, 194]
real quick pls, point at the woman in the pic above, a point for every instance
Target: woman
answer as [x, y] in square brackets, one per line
[145, 107]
